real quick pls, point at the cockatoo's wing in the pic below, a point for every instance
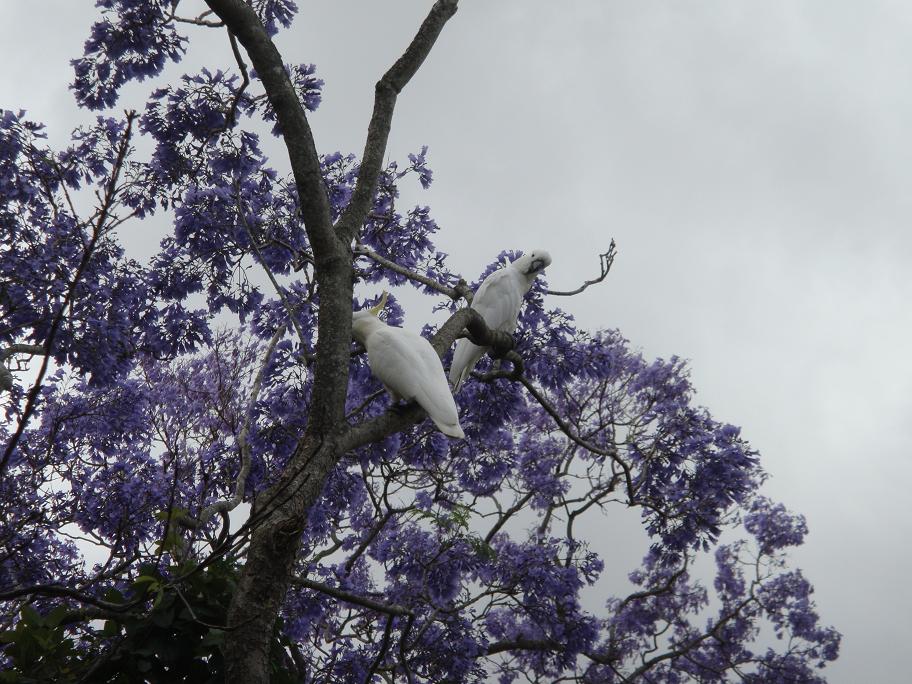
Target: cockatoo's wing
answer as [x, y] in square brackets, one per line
[500, 297]
[408, 365]
[498, 300]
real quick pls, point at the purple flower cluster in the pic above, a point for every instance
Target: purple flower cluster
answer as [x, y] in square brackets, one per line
[133, 41]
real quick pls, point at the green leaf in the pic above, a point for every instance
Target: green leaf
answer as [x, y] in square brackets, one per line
[163, 618]
[113, 596]
[31, 617]
[55, 616]
[142, 579]
[214, 637]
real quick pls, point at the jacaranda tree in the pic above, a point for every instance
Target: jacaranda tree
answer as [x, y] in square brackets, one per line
[254, 507]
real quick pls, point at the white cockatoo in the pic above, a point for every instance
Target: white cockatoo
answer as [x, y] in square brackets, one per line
[498, 300]
[408, 367]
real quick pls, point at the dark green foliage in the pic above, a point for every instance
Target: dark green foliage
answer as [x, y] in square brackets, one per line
[171, 631]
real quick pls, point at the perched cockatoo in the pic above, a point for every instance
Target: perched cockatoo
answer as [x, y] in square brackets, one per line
[498, 300]
[408, 367]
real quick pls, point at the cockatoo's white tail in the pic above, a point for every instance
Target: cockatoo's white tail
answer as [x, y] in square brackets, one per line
[408, 367]
[449, 429]
[498, 299]
[465, 357]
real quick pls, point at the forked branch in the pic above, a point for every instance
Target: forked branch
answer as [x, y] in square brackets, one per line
[387, 89]
[606, 259]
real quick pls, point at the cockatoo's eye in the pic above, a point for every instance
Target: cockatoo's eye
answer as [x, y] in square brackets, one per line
[537, 265]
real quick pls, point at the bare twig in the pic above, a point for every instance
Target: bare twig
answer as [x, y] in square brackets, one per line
[605, 261]
[232, 112]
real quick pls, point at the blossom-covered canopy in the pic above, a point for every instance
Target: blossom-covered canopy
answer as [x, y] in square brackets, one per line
[163, 395]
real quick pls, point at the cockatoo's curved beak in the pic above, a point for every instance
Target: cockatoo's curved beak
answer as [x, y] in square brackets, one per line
[379, 306]
[537, 265]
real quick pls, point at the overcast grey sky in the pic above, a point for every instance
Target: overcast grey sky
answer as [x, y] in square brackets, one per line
[751, 159]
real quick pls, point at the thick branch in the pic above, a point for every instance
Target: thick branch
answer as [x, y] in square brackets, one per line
[20, 349]
[387, 89]
[605, 261]
[281, 511]
[242, 21]
[393, 421]
[332, 258]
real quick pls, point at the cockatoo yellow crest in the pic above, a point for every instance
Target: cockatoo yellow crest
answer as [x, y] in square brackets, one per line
[408, 367]
[498, 300]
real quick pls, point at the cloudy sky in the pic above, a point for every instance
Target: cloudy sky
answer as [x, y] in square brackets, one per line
[750, 158]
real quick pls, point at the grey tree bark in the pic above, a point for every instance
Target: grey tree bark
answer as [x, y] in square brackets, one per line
[281, 511]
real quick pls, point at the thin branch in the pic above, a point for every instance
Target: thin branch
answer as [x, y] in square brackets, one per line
[348, 597]
[515, 508]
[690, 645]
[364, 404]
[381, 654]
[97, 232]
[371, 536]
[243, 446]
[6, 375]
[198, 21]
[569, 432]
[605, 261]
[403, 639]
[193, 616]
[522, 645]
[62, 591]
[656, 591]
[461, 291]
[289, 309]
[232, 112]
[387, 89]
